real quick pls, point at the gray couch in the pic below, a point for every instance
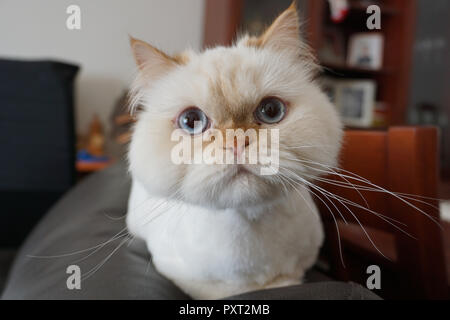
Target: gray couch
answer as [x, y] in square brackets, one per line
[88, 217]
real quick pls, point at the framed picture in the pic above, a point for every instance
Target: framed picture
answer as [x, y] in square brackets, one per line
[354, 99]
[332, 48]
[366, 50]
[330, 86]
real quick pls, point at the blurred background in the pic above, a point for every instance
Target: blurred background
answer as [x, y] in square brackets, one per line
[63, 91]
[37, 30]
[410, 82]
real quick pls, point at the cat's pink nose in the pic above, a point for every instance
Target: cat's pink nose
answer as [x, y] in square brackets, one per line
[238, 150]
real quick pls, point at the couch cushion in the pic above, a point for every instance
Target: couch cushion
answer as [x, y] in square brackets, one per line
[89, 215]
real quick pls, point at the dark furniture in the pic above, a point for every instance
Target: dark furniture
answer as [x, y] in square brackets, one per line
[403, 160]
[37, 141]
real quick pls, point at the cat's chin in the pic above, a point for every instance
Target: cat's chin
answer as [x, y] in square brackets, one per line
[240, 188]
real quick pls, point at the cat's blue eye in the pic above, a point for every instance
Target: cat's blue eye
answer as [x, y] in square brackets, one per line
[270, 110]
[193, 121]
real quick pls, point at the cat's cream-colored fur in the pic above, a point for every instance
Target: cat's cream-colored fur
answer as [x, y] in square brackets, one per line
[214, 232]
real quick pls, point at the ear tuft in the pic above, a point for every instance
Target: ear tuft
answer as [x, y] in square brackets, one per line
[284, 33]
[139, 49]
[153, 64]
[146, 55]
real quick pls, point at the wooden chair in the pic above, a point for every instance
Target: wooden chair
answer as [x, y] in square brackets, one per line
[403, 160]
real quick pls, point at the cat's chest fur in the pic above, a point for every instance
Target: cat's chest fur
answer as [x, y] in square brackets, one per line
[215, 253]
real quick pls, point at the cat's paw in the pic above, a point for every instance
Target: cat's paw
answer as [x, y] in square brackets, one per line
[283, 281]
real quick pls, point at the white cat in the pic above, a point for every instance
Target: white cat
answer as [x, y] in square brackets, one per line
[219, 230]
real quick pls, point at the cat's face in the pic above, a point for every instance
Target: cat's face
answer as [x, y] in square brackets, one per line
[260, 83]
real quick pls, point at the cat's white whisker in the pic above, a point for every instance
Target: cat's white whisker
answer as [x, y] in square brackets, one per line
[336, 173]
[301, 195]
[98, 249]
[309, 146]
[334, 219]
[92, 271]
[366, 188]
[320, 199]
[100, 245]
[349, 210]
[353, 175]
[344, 201]
[348, 201]
[360, 179]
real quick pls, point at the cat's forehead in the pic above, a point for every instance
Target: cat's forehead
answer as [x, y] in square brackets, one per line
[232, 80]
[229, 62]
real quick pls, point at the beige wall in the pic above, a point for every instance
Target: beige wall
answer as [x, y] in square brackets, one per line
[37, 29]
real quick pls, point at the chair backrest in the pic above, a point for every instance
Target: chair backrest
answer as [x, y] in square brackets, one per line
[37, 139]
[403, 160]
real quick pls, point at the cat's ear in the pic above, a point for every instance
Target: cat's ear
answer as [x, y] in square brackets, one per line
[151, 61]
[284, 33]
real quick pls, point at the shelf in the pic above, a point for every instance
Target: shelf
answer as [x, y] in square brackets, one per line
[362, 7]
[370, 128]
[91, 166]
[345, 70]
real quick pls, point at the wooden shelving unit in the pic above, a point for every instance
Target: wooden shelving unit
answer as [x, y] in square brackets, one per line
[343, 70]
[398, 29]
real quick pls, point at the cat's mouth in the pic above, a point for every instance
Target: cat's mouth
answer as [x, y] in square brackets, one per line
[240, 171]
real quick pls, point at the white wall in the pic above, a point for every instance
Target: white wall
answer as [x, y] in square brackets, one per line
[37, 29]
